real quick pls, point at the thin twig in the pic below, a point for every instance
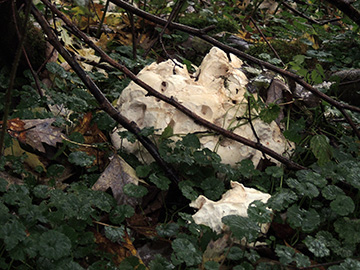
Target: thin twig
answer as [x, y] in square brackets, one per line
[104, 103]
[98, 32]
[133, 34]
[250, 121]
[306, 17]
[174, 11]
[170, 100]
[228, 49]
[351, 123]
[267, 42]
[251, 124]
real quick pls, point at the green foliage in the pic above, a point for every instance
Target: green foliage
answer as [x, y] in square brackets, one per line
[185, 252]
[134, 190]
[242, 227]
[49, 225]
[288, 255]
[307, 220]
[81, 159]
[321, 148]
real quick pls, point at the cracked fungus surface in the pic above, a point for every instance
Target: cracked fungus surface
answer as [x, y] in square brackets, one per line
[214, 92]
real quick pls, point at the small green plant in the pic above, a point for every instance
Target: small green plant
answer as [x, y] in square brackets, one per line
[313, 213]
[43, 228]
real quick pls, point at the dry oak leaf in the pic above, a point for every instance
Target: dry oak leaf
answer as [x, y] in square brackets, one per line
[39, 131]
[116, 175]
[16, 128]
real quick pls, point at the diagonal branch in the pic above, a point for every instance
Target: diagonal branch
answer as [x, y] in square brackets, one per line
[348, 9]
[306, 17]
[101, 99]
[196, 32]
[170, 100]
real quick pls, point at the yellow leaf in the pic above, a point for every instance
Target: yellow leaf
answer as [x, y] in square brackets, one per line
[32, 160]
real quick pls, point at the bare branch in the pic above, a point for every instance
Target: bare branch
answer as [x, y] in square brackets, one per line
[102, 100]
[306, 17]
[170, 100]
[196, 32]
[348, 9]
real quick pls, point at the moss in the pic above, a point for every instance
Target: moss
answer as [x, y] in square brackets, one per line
[285, 49]
[35, 46]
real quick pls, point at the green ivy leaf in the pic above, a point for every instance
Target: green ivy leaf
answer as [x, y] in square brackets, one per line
[247, 168]
[114, 234]
[350, 171]
[186, 252]
[147, 131]
[349, 264]
[348, 229]
[26, 248]
[317, 246]
[41, 191]
[302, 260]
[81, 159]
[167, 230]
[187, 190]
[31, 214]
[211, 265]
[167, 133]
[54, 245]
[303, 188]
[131, 263]
[321, 148]
[191, 141]
[242, 227]
[258, 212]
[4, 214]
[102, 200]
[327, 238]
[76, 137]
[294, 133]
[3, 185]
[104, 121]
[312, 177]
[252, 256]
[308, 220]
[143, 171]
[160, 263]
[213, 188]
[244, 266]
[120, 212]
[12, 232]
[274, 171]
[285, 254]
[17, 195]
[161, 181]
[331, 192]
[206, 157]
[270, 113]
[235, 253]
[57, 69]
[127, 135]
[281, 200]
[288, 255]
[133, 190]
[342, 205]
